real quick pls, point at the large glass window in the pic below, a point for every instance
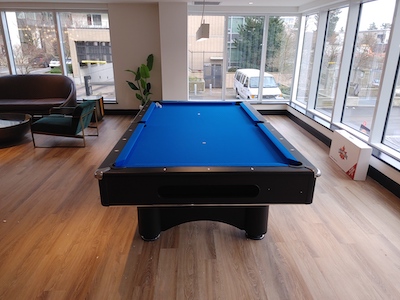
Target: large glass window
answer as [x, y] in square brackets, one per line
[243, 76]
[392, 130]
[3, 55]
[281, 52]
[244, 48]
[33, 40]
[367, 66]
[334, 38]
[206, 58]
[234, 23]
[87, 48]
[307, 58]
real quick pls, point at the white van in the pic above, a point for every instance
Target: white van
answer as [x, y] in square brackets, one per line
[246, 85]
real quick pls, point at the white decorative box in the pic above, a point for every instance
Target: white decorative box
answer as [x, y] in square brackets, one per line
[351, 154]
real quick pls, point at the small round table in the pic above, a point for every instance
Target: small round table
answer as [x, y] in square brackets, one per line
[99, 111]
[13, 126]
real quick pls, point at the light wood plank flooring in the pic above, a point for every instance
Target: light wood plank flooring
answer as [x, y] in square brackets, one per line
[58, 242]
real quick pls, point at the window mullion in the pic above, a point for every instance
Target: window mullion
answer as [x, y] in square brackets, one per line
[386, 88]
[347, 55]
[319, 47]
[263, 58]
[225, 56]
[7, 41]
[59, 35]
[300, 42]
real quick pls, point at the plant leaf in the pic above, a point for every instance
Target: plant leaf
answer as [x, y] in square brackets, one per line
[137, 77]
[141, 76]
[132, 86]
[150, 60]
[131, 71]
[144, 71]
[143, 83]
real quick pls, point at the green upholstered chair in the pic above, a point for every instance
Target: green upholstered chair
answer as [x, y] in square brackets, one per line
[66, 121]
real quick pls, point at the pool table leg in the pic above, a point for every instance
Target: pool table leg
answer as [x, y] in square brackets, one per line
[256, 222]
[252, 219]
[149, 223]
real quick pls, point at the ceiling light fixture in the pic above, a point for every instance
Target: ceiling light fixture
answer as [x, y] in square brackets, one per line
[203, 32]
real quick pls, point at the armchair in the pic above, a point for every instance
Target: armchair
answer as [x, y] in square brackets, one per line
[66, 121]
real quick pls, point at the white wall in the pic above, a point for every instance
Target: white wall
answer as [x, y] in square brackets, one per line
[174, 68]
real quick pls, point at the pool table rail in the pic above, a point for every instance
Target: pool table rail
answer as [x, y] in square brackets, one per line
[292, 186]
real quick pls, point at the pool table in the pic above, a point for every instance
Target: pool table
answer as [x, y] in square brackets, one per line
[182, 161]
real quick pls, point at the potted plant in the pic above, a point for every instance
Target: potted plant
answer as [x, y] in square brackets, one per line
[142, 85]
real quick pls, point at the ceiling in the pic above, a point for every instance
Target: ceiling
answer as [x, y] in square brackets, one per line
[282, 3]
[195, 6]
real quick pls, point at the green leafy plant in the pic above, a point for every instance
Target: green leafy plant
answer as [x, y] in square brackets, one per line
[142, 76]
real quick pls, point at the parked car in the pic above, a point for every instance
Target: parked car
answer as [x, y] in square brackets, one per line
[376, 82]
[55, 62]
[41, 60]
[246, 85]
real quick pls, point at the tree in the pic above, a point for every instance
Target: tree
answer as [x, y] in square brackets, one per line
[250, 41]
[333, 47]
[372, 26]
[332, 22]
[276, 31]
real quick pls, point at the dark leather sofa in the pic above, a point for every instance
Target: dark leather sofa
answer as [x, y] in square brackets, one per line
[35, 94]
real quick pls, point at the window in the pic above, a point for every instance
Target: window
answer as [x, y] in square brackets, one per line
[334, 38]
[89, 20]
[206, 59]
[88, 54]
[233, 33]
[93, 20]
[281, 52]
[3, 56]
[307, 58]
[97, 20]
[244, 50]
[93, 51]
[85, 51]
[33, 40]
[248, 43]
[392, 129]
[245, 53]
[367, 65]
[233, 28]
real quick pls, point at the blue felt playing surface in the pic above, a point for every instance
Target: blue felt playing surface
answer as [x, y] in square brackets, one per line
[201, 134]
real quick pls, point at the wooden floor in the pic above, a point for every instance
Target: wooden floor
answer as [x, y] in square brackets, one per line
[58, 242]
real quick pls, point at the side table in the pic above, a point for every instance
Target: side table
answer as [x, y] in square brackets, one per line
[99, 111]
[13, 126]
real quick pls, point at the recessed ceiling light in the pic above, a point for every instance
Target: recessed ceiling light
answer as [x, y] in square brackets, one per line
[250, 3]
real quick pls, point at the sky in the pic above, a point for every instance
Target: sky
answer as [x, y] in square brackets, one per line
[380, 12]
